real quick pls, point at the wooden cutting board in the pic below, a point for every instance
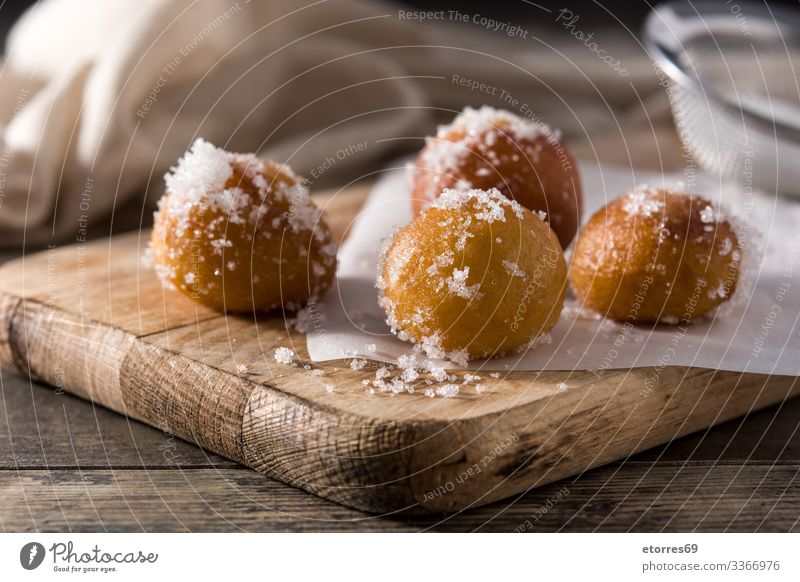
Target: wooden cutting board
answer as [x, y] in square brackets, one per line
[89, 319]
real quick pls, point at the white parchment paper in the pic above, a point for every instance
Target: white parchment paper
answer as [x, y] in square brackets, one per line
[757, 334]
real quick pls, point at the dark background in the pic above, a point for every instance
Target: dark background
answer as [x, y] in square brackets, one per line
[632, 14]
[599, 14]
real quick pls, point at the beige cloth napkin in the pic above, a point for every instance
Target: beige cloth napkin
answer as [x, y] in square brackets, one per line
[99, 97]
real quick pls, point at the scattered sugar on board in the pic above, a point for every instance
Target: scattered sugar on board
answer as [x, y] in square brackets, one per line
[447, 390]
[398, 386]
[410, 374]
[407, 361]
[283, 356]
[439, 373]
[358, 364]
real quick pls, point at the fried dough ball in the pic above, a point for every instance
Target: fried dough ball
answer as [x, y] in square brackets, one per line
[475, 275]
[240, 234]
[656, 256]
[489, 148]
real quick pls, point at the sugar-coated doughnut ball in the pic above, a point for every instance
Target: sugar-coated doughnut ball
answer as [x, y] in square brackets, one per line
[490, 148]
[240, 234]
[654, 255]
[475, 275]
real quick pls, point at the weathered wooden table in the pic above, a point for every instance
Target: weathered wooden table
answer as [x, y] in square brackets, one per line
[66, 465]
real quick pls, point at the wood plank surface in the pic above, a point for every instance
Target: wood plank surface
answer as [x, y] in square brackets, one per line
[719, 498]
[93, 321]
[59, 475]
[42, 428]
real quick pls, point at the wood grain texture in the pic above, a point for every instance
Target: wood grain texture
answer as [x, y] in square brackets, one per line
[58, 455]
[96, 323]
[644, 498]
[42, 428]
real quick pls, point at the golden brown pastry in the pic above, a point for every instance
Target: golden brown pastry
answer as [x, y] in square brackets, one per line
[656, 256]
[489, 148]
[240, 234]
[475, 275]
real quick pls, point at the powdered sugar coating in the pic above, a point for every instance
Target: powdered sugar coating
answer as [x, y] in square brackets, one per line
[513, 269]
[440, 276]
[204, 168]
[492, 148]
[489, 204]
[657, 255]
[457, 284]
[239, 233]
[644, 200]
[707, 214]
[477, 125]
